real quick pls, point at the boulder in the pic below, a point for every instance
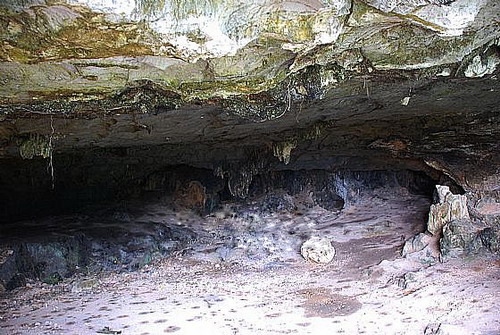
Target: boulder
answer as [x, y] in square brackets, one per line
[318, 250]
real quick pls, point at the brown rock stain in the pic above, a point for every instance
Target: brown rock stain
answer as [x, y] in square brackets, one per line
[320, 302]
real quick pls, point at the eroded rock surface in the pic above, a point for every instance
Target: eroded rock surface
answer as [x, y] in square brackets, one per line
[318, 250]
[451, 207]
[259, 231]
[451, 230]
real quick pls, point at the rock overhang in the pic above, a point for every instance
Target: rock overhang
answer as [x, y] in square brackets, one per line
[307, 84]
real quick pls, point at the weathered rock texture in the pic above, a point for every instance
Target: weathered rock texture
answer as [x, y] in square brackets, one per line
[451, 230]
[318, 250]
[97, 96]
[450, 207]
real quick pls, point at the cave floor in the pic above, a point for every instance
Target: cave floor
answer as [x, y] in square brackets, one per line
[187, 297]
[244, 275]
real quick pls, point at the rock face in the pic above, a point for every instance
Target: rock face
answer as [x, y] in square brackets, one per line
[423, 247]
[451, 230]
[460, 234]
[51, 251]
[99, 98]
[451, 207]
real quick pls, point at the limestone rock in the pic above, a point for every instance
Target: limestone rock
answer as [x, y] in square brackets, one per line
[8, 267]
[485, 205]
[490, 239]
[423, 248]
[480, 67]
[54, 255]
[459, 235]
[318, 250]
[450, 207]
[416, 243]
[242, 88]
[200, 70]
[279, 201]
[469, 236]
[5, 254]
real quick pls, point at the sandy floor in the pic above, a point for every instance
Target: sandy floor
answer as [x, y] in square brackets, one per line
[257, 283]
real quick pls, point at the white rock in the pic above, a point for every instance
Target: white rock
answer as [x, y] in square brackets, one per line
[445, 73]
[450, 207]
[318, 250]
[480, 67]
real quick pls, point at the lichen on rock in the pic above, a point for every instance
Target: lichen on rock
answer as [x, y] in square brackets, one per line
[35, 145]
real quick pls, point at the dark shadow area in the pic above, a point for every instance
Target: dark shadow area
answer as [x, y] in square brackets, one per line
[105, 178]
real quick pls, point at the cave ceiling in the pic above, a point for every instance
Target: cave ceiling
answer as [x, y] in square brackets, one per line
[333, 84]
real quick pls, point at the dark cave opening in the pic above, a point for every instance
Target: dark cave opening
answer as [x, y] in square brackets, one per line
[27, 190]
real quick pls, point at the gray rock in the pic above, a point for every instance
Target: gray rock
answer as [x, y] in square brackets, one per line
[54, 254]
[423, 248]
[490, 238]
[83, 285]
[416, 243]
[427, 256]
[466, 236]
[51, 260]
[432, 328]
[458, 234]
[279, 202]
[404, 281]
[8, 268]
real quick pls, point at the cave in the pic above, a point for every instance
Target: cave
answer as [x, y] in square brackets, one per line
[266, 167]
